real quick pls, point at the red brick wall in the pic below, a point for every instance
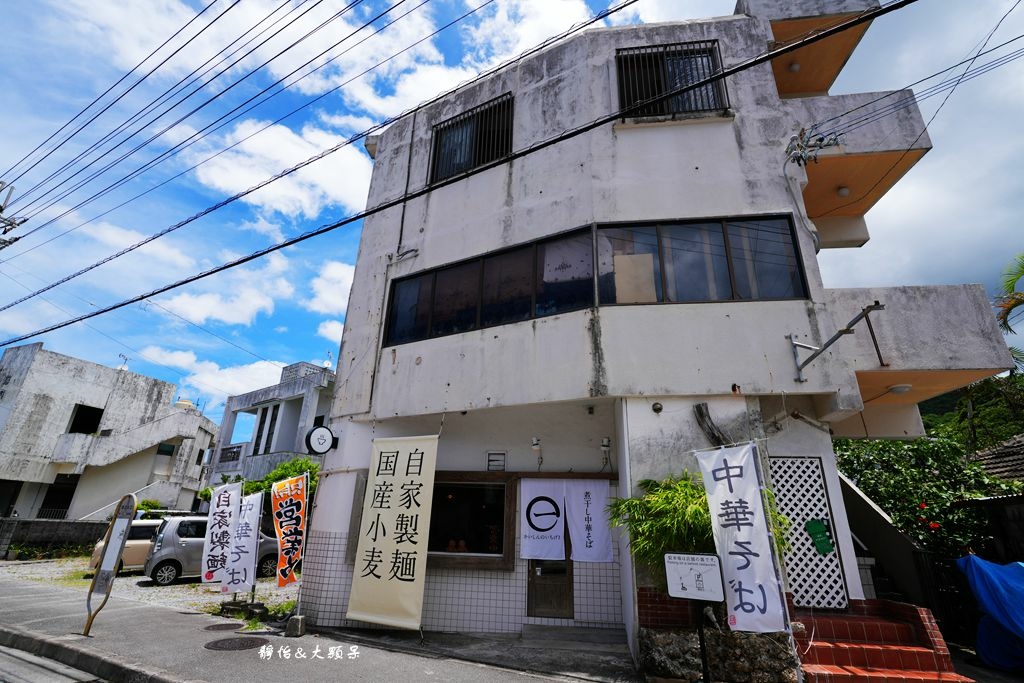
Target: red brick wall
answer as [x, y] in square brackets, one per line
[655, 609]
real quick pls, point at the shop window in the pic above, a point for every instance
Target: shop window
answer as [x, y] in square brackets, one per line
[472, 520]
[85, 419]
[472, 139]
[645, 73]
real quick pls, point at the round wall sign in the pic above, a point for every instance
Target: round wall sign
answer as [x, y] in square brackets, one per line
[319, 440]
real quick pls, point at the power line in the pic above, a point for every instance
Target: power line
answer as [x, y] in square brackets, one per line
[209, 128]
[536, 147]
[206, 102]
[118, 98]
[924, 128]
[102, 95]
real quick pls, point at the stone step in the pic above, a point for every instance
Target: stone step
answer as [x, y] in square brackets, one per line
[857, 629]
[875, 655]
[573, 639]
[824, 673]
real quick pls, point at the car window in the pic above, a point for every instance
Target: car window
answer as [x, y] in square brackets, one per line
[192, 529]
[142, 533]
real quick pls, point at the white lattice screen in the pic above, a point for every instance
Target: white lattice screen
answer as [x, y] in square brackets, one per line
[816, 580]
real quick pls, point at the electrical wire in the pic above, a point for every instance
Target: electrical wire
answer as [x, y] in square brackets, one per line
[182, 83]
[532, 149]
[202, 105]
[573, 29]
[100, 97]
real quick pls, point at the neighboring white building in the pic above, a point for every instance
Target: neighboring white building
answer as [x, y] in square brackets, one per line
[605, 287]
[76, 436]
[283, 415]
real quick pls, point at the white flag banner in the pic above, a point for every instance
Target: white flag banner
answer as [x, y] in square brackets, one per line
[542, 519]
[240, 573]
[753, 590]
[220, 529]
[589, 529]
[391, 555]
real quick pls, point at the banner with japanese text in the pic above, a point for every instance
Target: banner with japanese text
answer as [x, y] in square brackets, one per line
[288, 505]
[589, 530]
[551, 508]
[391, 554]
[753, 589]
[220, 529]
[240, 574]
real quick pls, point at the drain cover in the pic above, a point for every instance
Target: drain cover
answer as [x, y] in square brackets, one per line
[246, 643]
[223, 627]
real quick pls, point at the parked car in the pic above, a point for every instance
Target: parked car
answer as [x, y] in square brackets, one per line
[136, 547]
[178, 551]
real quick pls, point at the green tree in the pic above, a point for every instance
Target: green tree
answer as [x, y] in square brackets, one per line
[983, 414]
[285, 470]
[918, 483]
[1010, 301]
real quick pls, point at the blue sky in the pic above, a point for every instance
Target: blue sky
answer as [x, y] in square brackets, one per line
[952, 219]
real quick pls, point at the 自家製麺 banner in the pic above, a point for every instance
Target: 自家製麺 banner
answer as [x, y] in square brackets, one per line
[240, 573]
[753, 589]
[220, 529]
[288, 504]
[391, 554]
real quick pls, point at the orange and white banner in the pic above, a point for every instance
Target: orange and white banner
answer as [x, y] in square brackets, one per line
[391, 556]
[288, 503]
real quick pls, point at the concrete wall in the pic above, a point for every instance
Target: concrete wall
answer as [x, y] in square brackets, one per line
[47, 532]
[100, 486]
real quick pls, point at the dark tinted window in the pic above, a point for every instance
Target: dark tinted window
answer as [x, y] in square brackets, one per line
[645, 73]
[456, 298]
[472, 139]
[142, 533]
[467, 518]
[165, 449]
[764, 259]
[190, 529]
[629, 270]
[410, 309]
[565, 274]
[507, 287]
[696, 268]
[85, 419]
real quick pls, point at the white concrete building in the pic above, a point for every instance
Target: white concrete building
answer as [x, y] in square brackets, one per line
[76, 436]
[283, 415]
[600, 290]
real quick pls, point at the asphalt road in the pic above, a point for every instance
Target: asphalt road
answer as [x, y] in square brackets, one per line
[17, 666]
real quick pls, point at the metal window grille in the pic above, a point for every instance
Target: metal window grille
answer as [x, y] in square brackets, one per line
[230, 453]
[472, 138]
[648, 72]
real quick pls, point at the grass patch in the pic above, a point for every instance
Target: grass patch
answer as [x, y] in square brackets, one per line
[28, 551]
[253, 624]
[280, 610]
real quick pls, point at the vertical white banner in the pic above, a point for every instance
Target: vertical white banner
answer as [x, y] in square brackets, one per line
[542, 519]
[240, 573]
[220, 529]
[589, 530]
[391, 555]
[753, 590]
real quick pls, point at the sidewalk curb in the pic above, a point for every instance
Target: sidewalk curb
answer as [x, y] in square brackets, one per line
[104, 665]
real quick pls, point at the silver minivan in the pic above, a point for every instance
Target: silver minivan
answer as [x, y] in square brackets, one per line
[178, 551]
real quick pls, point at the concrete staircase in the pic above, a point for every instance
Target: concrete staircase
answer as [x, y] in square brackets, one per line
[876, 641]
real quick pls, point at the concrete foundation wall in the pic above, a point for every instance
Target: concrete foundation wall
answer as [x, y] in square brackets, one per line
[47, 532]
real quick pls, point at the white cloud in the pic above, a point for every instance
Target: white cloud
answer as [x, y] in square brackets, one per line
[281, 329]
[212, 380]
[116, 237]
[264, 227]
[650, 11]
[239, 296]
[331, 288]
[331, 330]
[511, 27]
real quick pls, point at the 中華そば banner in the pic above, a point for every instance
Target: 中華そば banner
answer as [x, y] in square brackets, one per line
[240, 573]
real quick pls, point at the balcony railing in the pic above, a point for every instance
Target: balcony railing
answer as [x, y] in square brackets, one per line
[52, 513]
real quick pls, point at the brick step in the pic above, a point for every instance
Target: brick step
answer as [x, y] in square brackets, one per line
[874, 655]
[824, 673]
[858, 629]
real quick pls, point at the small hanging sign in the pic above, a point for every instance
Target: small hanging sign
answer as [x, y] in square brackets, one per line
[819, 533]
[694, 576]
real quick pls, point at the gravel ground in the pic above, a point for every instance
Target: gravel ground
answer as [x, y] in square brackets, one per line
[186, 594]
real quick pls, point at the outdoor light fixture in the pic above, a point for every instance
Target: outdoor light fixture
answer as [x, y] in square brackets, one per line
[900, 388]
[794, 67]
[843, 191]
[535, 447]
[606, 449]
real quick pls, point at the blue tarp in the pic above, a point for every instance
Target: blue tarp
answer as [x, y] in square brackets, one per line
[999, 589]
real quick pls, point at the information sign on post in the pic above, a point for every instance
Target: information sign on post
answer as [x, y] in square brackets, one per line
[696, 576]
[113, 547]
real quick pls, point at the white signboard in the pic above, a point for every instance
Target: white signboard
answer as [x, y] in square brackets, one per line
[240, 573]
[103, 578]
[542, 519]
[586, 502]
[220, 529]
[697, 577]
[391, 556]
[753, 590]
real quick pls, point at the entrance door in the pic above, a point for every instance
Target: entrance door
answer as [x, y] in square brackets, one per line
[549, 587]
[9, 491]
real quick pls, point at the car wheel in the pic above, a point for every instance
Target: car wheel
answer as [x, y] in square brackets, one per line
[165, 573]
[267, 566]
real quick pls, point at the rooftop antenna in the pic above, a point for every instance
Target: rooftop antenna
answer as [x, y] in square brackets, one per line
[124, 365]
[328, 363]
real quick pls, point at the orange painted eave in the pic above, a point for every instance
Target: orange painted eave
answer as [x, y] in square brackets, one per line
[866, 177]
[820, 62]
[925, 384]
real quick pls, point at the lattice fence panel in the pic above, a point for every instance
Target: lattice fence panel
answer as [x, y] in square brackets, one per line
[816, 580]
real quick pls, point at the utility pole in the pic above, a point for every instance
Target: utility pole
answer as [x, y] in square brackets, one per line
[7, 224]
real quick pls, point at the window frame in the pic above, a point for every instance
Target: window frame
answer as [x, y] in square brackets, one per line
[475, 119]
[506, 560]
[658, 56]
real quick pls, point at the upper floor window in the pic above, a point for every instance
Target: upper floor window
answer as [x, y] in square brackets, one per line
[85, 419]
[472, 139]
[648, 72]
